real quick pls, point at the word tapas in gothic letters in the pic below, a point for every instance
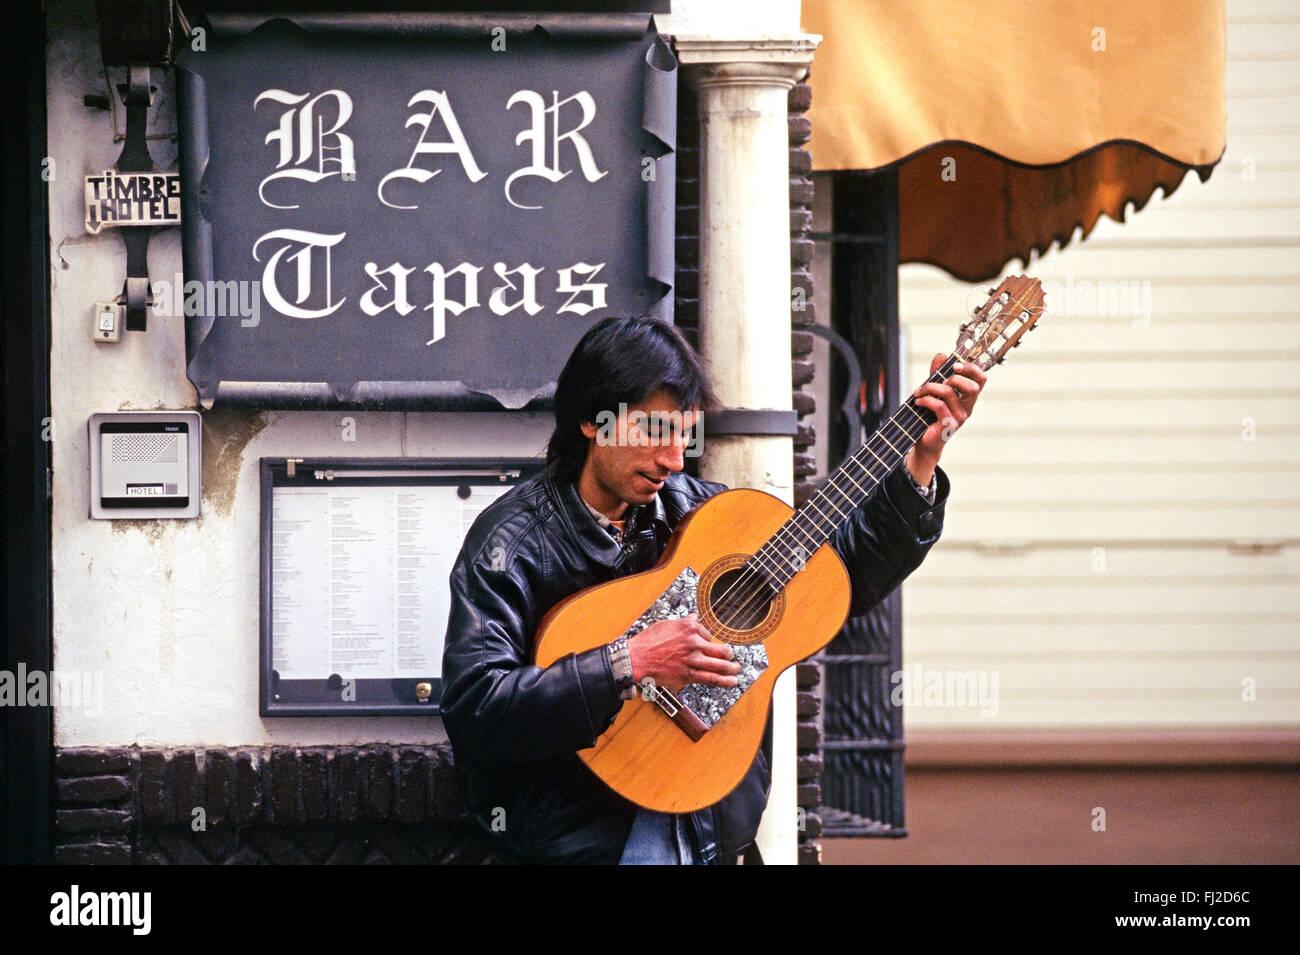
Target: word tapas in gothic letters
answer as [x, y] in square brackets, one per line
[298, 295]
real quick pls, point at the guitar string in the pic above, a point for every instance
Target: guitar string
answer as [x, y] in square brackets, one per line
[765, 572]
[763, 577]
[908, 439]
[765, 580]
[768, 570]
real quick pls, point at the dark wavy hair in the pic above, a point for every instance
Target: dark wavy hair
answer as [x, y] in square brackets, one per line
[620, 360]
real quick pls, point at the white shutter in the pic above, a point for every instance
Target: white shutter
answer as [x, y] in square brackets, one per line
[1122, 544]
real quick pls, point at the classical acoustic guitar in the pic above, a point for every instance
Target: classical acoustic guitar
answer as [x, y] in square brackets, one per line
[763, 578]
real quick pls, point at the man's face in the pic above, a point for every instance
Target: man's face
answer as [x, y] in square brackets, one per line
[635, 448]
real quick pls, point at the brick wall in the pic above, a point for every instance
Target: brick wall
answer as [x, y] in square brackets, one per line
[802, 315]
[323, 805]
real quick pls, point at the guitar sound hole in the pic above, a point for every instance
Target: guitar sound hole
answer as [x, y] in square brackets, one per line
[740, 598]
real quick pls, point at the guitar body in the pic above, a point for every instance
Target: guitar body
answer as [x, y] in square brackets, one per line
[647, 757]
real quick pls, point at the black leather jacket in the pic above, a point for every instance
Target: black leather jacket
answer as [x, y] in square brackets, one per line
[515, 728]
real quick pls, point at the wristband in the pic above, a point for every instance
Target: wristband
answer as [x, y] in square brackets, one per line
[620, 661]
[925, 492]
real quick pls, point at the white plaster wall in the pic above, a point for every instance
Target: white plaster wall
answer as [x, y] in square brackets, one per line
[165, 612]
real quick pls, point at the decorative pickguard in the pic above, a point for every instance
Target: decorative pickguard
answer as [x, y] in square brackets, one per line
[709, 703]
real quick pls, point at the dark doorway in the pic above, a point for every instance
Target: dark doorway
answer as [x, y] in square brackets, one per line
[25, 731]
[862, 783]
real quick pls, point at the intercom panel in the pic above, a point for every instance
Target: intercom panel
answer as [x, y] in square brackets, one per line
[145, 464]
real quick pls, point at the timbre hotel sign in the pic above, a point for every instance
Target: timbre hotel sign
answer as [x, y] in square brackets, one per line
[132, 198]
[425, 218]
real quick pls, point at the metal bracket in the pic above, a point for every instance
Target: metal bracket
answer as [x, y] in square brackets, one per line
[135, 157]
[137, 31]
[852, 414]
[753, 421]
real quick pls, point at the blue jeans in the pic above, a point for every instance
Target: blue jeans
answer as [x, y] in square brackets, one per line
[660, 839]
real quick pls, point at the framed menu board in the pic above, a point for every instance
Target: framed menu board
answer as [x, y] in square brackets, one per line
[355, 559]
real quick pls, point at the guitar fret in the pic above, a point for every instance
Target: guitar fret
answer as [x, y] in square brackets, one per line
[917, 416]
[877, 457]
[853, 482]
[791, 526]
[831, 486]
[848, 476]
[813, 505]
[811, 537]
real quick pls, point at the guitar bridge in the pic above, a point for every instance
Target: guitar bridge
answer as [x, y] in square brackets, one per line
[667, 701]
[661, 697]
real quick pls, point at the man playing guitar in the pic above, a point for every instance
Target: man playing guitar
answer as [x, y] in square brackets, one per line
[602, 509]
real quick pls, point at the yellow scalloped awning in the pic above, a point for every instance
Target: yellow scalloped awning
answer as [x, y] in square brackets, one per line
[1013, 123]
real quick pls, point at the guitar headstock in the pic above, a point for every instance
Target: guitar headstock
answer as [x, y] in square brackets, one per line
[998, 324]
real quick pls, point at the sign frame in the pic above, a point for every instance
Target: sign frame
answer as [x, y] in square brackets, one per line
[372, 363]
[395, 696]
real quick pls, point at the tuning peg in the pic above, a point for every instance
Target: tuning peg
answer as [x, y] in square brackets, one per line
[992, 290]
[976, 310]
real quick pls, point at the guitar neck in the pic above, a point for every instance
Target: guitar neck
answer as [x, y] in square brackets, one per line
[847, 487]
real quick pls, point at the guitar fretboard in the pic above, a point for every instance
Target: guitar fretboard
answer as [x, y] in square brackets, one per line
[786, 552]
